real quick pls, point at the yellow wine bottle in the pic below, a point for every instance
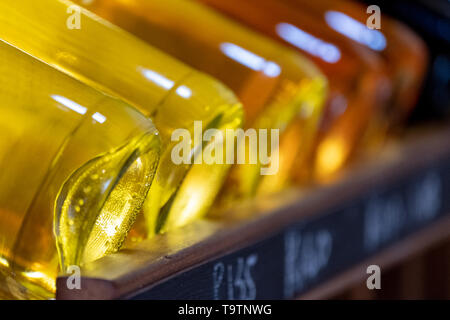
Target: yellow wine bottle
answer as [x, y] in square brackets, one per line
[279, 88]
[404, 53]
[112, 60]
[76, 167]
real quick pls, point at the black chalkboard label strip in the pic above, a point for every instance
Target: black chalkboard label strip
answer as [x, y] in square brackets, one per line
[306, 254]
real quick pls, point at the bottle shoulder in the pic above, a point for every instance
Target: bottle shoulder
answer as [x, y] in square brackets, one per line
[99, 53]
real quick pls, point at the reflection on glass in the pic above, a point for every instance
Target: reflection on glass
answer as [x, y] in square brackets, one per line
[158, 79]
[250, 60]
[307, 42]
[355, 30]
[69, 104]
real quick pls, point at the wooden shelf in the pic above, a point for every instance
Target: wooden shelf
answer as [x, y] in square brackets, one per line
[305, 243]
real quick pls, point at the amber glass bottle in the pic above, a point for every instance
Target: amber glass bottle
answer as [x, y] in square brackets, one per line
[403, 51]
[359, 85]
[431, 20]
[279, 88]
[76, 166]
[112, 60]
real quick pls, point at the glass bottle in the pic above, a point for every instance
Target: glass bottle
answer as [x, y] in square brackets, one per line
[76, 166]
[403, 51]
[359, 84]
[278, 87]
[173, 94]
[431, 20]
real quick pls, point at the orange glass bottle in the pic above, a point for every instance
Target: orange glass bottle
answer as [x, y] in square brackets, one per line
[359, 84]
[405, 54]
[431, 21]
[278, 87]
